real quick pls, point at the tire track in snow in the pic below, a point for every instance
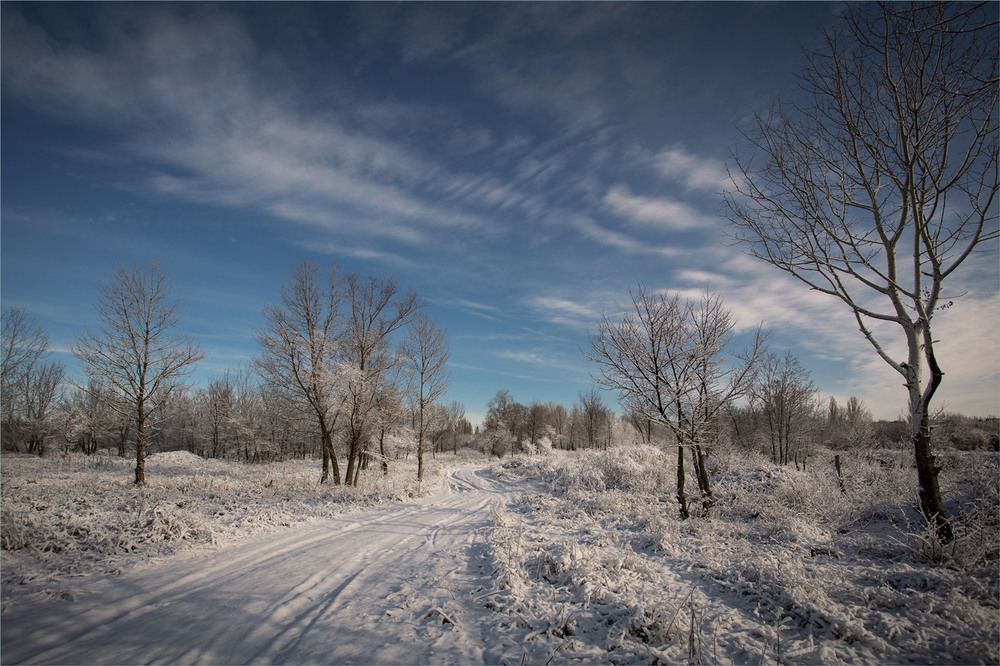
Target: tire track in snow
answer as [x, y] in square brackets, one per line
[317, 592]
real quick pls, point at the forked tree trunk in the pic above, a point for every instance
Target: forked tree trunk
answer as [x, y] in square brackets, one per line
[329, 455]
[920, 429]
[703, 483]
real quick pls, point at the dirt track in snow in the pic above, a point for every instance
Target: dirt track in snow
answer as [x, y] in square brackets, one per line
[398, 585]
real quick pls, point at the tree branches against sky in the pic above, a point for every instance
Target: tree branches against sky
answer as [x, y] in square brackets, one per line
[518, 164]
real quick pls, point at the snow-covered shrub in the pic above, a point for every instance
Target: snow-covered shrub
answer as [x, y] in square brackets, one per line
[632, 468]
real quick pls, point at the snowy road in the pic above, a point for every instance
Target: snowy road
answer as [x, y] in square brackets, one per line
[397, 585]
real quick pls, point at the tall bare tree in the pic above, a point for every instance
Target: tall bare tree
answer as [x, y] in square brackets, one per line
[301, 347]
[426, 351]
[883, 181]
[376, 308]
[666, 359]
[138, 353]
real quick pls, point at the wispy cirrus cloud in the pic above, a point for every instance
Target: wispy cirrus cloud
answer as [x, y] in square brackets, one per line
[693, 171]
[657, 212]
[591, 230]
[186, 95]
[564, 311]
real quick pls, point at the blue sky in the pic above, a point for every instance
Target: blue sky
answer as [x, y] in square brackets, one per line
[519, 165]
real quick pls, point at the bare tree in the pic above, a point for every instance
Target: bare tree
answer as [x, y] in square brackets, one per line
[85, 419]
[138, 354]
[376, 308]
[784, 394]
[300, 347]
[666, 360]
[426, 352]
[41, 389]
[27, 384]
[883, 181]
[593, 421]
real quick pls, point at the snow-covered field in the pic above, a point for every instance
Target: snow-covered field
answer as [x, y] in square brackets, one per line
[787, 570]
[63, 518]
[564, 558]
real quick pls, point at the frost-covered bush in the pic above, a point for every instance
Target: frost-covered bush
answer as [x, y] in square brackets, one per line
[633, 468]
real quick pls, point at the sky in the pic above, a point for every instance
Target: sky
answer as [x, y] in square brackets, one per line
[519, 165]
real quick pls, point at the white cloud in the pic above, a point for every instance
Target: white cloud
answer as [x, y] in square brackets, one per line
[589, 229]
[826, 329]
[696, 173]
[658, 212]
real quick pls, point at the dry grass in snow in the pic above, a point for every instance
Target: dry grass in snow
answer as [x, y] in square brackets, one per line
[787, 569]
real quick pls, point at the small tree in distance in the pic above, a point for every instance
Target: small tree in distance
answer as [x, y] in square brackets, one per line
[883, 181]
[138, 354]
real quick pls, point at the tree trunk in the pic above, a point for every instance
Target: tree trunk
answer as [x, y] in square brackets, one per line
[352, 457]
[140, 447]
[703, 483]
[927, 476]
[420, 447]
[329, 455]
[920, 432]
[681, 497]
[381, 450]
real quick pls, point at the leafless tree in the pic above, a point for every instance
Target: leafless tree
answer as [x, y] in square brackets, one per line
[784, 394]
[138, 353]
[28, 384]
[389, 409]
[665, 357]
[883, 181]
[591, 422]
[376, 308]
[41, 390]
[24, 344]
[426, 351]
[301, 348]
[86, 419]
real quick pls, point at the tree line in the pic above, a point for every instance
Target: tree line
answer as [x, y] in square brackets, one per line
[343, 358]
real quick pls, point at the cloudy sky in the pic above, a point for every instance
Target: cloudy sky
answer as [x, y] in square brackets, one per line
[519, 165]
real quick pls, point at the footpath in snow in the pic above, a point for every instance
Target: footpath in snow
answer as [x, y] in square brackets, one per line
[403, 584]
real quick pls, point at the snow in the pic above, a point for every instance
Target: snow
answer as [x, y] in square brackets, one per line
[787, 569]
[562, 558]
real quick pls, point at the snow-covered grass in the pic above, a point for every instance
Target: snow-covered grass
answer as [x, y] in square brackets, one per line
[69, 517]
[787, 568]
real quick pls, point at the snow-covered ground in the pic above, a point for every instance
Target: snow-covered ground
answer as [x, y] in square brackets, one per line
[400, 583]
[788, 569]
[565, 558]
